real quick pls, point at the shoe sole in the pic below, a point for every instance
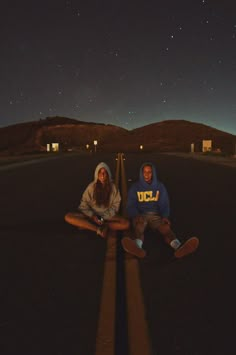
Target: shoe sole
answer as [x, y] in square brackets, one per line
[187, 248]
[130, 247]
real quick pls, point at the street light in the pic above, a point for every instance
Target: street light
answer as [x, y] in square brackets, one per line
[87, 146]
[141, 147]
[95, 145]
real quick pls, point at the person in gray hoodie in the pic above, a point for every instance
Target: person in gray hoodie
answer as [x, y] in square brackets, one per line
[99, 206]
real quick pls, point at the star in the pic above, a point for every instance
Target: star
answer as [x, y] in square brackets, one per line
[87, 59]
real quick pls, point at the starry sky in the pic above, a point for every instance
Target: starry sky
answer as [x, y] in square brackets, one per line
[127, 63]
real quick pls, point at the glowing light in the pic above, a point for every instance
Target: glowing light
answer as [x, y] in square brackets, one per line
[95, 142]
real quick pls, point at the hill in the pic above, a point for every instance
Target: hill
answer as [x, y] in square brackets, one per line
[178, 135]
[71, 134]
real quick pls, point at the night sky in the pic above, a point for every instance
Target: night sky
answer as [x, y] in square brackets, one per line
[127, 63]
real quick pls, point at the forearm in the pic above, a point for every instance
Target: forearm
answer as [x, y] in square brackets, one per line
[85, 209]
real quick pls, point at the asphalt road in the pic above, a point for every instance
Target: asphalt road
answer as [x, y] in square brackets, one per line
[51, 273]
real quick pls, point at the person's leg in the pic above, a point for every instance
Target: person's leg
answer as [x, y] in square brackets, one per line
[167, 233]
[156, 223]
[180, 248]
[134, 245]
[81, 221]
[118, 223]
[139, 225]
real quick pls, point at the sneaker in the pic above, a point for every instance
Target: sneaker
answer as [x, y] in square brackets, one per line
[187, 248]
[102, 231]
[131, 247]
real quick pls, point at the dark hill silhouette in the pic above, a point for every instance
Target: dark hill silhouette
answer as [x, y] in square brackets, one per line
[165, 136]
[177, 135]
[70, 133]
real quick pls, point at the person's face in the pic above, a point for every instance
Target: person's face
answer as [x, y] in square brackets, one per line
[147, 174]
[102, 175]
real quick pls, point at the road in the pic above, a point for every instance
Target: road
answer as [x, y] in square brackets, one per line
[52, 275]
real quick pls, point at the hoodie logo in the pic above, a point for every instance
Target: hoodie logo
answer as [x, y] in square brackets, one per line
[147, 196]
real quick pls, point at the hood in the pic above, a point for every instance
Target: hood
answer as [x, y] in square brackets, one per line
[154, 175]
[98, 167]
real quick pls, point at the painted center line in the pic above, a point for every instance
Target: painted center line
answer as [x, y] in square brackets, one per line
[106, 326]
[138, 335]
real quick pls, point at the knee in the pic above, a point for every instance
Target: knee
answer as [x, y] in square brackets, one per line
[68, 217]
[139, 222]
[164, 229]
[123, 224]
[126, 224]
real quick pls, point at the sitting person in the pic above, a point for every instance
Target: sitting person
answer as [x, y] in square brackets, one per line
[99, 206]
[148, 206]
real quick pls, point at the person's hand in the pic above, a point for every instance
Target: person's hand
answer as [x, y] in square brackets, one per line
[165, 220]
[97, 220]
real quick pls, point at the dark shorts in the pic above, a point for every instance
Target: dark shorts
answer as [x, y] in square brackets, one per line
[150, 220]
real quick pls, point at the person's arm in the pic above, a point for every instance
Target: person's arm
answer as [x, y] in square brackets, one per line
[132, 203]
[85, 202]
[164, 204]
[114, 204]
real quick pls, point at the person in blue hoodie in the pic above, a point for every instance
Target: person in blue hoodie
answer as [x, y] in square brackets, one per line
[148, 206]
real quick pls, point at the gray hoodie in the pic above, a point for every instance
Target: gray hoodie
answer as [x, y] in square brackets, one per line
[88, 204]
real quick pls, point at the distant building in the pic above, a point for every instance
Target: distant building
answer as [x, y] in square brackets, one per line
[53, 147]
[207, 145]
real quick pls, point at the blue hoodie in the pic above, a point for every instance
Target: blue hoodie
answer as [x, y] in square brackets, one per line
[144, 197]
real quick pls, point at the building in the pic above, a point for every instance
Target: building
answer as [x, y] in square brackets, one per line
[207, 145]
